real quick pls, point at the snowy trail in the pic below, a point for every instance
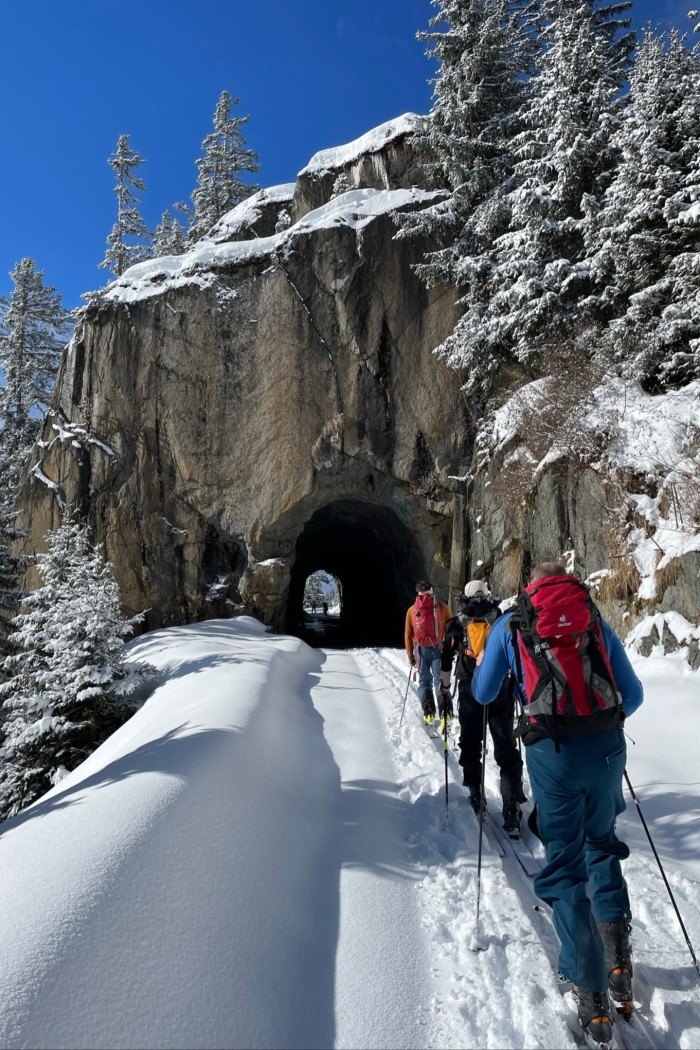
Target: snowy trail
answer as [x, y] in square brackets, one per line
[382, 963]
[512, 983]
[505, 996]
[262, 858]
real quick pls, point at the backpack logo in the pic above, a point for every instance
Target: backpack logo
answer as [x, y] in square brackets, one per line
[425, 621]
[568, 681]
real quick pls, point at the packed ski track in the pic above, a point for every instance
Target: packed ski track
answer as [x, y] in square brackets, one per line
[263, 857]
[507, 994]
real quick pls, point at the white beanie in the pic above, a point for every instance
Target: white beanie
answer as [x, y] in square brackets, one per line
[475, 587]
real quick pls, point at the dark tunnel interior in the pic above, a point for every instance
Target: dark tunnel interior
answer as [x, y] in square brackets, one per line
[377, 561]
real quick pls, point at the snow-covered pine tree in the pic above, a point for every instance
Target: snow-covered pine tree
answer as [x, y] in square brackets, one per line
[224, 160]
[12, 565]
[516, 256]
[284, 221]
[169, 236]
[69, 683]
[643, 240]
[129, 241]
[343, 184]
[565, 161]
[485, 52]
[33, 330]
[682, 317]
[313, 590]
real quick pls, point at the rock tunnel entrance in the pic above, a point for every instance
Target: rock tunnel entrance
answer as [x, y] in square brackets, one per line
[377, 561]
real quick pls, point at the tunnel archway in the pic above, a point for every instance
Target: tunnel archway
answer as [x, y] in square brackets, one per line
[377, 561]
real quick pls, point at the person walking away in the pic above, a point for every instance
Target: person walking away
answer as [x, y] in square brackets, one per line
[423, 634]
[465, 637]
[577, 686]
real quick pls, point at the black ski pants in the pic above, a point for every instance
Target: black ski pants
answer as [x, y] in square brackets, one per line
[499, 716]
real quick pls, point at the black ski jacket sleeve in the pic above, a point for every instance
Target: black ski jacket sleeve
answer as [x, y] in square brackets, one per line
[454, 633]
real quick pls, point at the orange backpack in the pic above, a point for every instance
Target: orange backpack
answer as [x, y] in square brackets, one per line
[475, 634]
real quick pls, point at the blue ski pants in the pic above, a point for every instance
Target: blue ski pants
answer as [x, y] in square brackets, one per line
[579, 796]
[429, 676]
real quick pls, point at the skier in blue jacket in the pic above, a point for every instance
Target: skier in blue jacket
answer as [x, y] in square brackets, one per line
[576, 783]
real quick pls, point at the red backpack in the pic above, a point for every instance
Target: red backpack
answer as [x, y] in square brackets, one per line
[426, 623]
[563, 663]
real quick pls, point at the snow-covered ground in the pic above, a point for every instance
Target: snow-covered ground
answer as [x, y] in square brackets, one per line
[262, 857]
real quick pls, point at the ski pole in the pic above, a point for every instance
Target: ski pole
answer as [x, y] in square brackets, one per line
[663, 873]
[408, 683]
[478, 947]
[444, 721]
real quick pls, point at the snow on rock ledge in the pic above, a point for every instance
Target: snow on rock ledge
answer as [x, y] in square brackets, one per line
[257, 216]
[386, 158]
[667, 632]
[337, 157]
[197, 266]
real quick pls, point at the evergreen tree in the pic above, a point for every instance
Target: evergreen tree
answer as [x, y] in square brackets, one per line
[313, 590]
[12, 565]
[224, 160]
[284, 221]
[485, 52]
[69, 683]
[565, 160]
[643, 240]
[169, 237]
[33, 330]
[32, 334]
[128, 243]
[526, 101]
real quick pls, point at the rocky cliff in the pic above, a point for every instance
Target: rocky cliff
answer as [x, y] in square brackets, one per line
[267, 404]
[604, 474]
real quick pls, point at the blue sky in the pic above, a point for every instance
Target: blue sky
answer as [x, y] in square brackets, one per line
[76, 75]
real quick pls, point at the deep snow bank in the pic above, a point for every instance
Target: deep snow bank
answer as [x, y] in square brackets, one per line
[214, 934]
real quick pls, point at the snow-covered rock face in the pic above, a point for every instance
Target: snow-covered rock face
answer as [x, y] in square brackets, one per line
[616, 486]
[233, 392]
[385, 158]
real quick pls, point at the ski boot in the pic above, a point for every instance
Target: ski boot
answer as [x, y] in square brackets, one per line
[618, 963]
[428, 704]
[512, 815]
[594, 1017]
[475, 797]
[447, 716]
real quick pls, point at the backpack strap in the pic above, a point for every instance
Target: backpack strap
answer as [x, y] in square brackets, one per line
[550, 672]
[515, 625]
[602, 658]
[524, 729]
